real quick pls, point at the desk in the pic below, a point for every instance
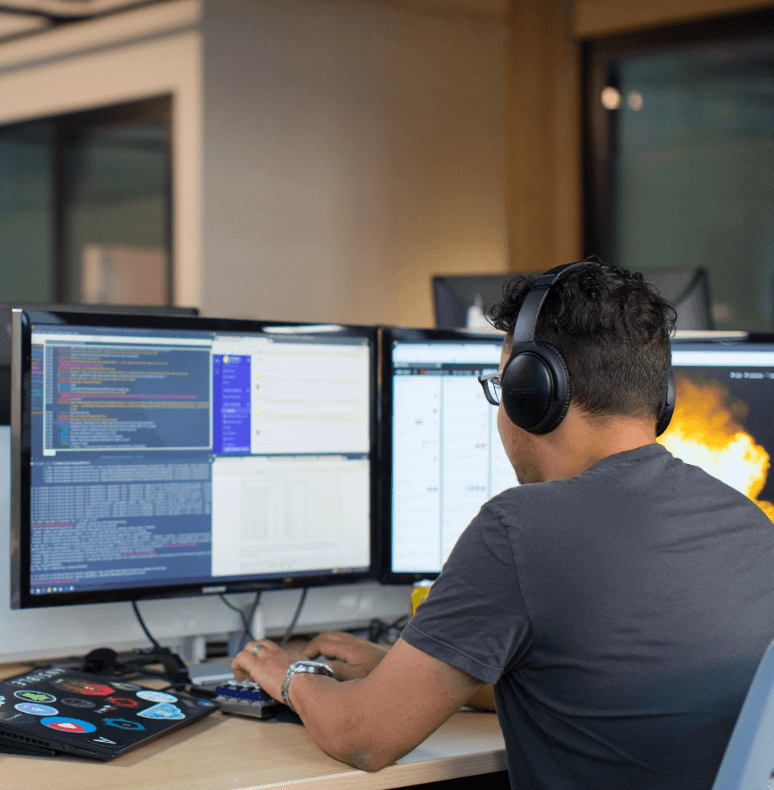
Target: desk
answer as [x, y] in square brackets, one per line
[225, 752]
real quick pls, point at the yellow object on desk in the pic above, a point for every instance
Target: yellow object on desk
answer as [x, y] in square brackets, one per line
[418, 594]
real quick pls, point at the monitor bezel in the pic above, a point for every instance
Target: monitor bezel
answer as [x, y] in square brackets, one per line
[387, 336]
[23, 321]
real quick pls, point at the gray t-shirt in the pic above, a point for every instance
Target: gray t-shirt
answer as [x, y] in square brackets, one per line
[620, 614]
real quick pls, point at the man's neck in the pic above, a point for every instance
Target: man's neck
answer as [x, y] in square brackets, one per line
[582, 441]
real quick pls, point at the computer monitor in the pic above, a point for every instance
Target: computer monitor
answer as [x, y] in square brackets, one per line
[723, 411]
[169, 456]
[6, 309]
[442, 458]
[461, 301]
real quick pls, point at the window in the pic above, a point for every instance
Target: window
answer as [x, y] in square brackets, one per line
[85, 206]
[680, 158]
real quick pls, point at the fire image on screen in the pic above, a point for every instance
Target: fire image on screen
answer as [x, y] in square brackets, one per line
[722, 421]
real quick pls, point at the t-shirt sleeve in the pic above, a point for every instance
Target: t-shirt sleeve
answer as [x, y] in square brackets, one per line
[474, 617]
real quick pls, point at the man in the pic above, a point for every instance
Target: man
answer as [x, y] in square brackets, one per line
[618, 600]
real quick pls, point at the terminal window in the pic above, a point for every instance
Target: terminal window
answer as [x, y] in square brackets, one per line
[190, 457]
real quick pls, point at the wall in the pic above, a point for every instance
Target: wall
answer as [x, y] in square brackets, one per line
[351, 150]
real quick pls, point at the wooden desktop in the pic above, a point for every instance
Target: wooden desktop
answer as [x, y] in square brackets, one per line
[225, 752]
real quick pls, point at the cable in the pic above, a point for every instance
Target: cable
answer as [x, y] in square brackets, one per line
[293, 622]
[378, 628]
[144, 627]
[247, 634]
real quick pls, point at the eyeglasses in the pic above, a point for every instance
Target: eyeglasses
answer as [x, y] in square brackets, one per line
[492, 384]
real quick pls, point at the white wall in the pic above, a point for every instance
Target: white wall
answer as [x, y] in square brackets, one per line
[350, 151]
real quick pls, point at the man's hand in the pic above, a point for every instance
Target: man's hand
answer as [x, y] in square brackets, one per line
[265, 663]
[348, 656]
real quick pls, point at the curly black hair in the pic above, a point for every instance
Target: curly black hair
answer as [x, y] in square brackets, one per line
[613, 331]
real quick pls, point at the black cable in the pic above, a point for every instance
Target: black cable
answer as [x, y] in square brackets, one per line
[238, 610]
[293, 622]
[247, 634]
[378, 628]
[144, 627]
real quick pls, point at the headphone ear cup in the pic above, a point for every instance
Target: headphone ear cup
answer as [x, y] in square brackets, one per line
[535, 387]
[667, 407]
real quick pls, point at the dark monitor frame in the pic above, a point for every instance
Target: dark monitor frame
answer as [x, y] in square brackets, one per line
[687, 289]
[452, 295]
[21, 458]
[385, 572]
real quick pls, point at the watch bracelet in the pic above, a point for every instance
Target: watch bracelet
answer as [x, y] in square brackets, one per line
[296, 668]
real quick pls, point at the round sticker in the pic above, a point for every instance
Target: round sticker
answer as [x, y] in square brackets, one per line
[77, 702]
[34, 696]
[156, 696]
[36, 710]
[68, 725]
[124, 702]
[124, 724]
[83, 687]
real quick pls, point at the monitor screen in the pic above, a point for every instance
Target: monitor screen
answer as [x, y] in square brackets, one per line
[162, 456]
[6, 309]
[724, 393]
[442, 458]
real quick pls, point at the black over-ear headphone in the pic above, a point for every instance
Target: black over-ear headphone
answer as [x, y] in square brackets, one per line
[535, 382]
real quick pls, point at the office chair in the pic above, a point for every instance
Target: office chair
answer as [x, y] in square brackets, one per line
[749, 758]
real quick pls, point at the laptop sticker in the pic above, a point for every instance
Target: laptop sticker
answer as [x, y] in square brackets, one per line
[156, 696]
[83, 687]
[103, 741]
[36, 710]
[124, 724]
[28, 695]
[68, 725]
[164, 710]
[127, 686]
[124, 702]
[78, 702]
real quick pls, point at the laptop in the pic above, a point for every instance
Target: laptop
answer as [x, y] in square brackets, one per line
[60, 711]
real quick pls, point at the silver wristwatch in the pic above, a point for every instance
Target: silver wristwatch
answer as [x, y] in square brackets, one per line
[308, 667]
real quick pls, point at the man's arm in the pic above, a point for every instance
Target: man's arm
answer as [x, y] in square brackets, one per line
[352, 657]
[373, 721]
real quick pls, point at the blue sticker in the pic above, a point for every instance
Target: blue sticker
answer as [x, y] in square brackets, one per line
[36, 710]
[124, 724]
[156, 696]
[164, 710]
[127, 686]
[62, 724]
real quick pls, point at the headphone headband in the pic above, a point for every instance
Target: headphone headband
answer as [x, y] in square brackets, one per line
[526, 322]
